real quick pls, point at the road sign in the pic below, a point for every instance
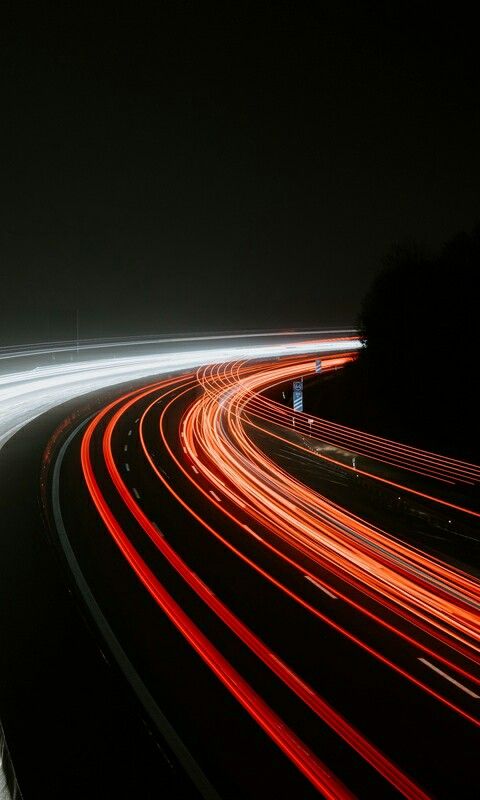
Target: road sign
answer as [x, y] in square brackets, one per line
[298, 395]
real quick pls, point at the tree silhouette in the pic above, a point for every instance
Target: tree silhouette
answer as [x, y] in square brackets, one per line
[420, 361]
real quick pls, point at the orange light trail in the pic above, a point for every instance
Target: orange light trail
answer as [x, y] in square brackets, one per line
[215, 436]
[436, 593]
[296, 750]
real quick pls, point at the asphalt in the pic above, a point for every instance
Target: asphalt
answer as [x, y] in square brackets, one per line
[73, 726]
[432, 744]
[72, 712]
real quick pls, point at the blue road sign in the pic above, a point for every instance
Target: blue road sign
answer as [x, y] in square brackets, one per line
[298, 395]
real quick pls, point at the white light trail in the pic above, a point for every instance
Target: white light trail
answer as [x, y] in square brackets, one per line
[24, 395]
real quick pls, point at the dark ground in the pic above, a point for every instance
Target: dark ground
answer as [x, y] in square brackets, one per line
[72, 727]
[67, 711]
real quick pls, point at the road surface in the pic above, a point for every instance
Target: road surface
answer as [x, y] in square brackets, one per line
[254, 576]
[37, 701]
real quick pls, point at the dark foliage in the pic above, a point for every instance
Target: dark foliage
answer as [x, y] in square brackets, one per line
[420, 322]
[417, 378]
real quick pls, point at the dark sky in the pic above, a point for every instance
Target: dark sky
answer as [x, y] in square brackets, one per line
[225, 166]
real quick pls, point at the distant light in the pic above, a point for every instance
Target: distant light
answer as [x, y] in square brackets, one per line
[24, 395]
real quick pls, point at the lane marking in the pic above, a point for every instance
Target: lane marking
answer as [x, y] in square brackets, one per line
[128, 670]
[252, 532]
[127, 467]
[319, 586]
[194, 468]
[130, 432]
[217, 498]
[136, 493]
[125, 447]
[160, 533]
[449, 678]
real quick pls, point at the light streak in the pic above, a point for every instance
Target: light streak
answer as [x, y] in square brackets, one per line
[287, 741]
[219, 456]
[27, 393]
[439, 595]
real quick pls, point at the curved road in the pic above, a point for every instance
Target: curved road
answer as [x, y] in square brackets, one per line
[333, 636]
[256, 576]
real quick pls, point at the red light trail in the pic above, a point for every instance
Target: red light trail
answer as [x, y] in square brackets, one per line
[414, 595]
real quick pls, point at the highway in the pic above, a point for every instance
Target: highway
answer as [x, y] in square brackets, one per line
[255, 575]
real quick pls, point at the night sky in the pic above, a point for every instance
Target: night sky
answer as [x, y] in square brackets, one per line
[222, 167]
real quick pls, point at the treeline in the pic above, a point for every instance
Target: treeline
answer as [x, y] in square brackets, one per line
[417, 378]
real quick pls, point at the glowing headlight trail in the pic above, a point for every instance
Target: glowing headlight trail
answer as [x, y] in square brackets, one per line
[221, 391]
[280, 529]
[224, 489]
[54, 348]
[372, 558]
[432, 563]
[268, 720]
[260, 408]
[431, 498]
[469, 474]
[377, 447]
[383, 765]
[436, 564]
[25, 394]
